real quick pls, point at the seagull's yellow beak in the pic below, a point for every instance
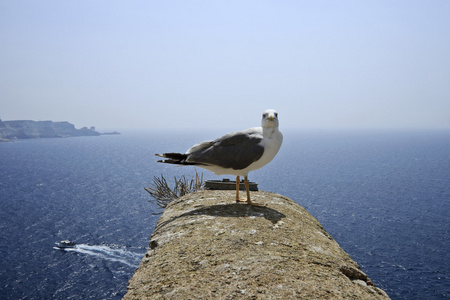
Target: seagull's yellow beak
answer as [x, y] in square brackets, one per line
[271, 118]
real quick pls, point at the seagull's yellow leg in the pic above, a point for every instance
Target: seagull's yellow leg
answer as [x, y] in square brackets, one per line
[237, 188]
[238, 182]
[247, 188]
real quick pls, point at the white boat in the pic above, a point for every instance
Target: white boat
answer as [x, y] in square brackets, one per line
[65, 244]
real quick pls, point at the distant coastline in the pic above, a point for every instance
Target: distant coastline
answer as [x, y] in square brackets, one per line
[27, 129]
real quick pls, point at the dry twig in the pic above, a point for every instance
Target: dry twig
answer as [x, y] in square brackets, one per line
[162, 194]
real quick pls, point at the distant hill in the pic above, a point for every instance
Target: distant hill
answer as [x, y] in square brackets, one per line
[26, 129]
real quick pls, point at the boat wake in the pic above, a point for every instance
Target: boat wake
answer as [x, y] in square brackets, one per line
[117, 254]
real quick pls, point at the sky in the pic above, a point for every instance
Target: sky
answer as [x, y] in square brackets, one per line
[220, 64]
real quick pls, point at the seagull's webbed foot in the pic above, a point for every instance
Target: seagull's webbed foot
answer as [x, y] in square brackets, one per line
[247, 188]
[249, 202]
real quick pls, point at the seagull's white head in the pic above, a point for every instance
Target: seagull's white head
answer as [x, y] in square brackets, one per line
[269, 119]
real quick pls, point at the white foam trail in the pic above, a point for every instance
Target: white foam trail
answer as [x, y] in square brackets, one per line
[126, 257]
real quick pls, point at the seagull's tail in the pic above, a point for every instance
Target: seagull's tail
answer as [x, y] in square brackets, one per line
[174, 158]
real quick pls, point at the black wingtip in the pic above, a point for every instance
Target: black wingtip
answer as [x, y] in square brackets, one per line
[173, 158]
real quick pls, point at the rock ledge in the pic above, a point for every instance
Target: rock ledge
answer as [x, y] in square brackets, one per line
[207, 247]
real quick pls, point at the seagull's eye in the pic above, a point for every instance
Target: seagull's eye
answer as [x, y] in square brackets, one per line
[264, 116]
[276, 115]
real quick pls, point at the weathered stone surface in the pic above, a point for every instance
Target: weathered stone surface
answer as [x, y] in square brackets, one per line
[205, 246]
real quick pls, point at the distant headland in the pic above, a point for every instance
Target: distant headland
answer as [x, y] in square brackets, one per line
[27, 129]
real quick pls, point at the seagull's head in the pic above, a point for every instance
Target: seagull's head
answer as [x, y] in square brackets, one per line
[269, 119]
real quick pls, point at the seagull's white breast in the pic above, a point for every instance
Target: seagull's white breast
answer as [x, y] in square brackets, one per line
[273, 138]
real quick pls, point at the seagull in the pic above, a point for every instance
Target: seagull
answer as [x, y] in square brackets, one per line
[236, 153]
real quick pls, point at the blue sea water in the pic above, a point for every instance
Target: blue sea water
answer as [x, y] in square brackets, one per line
[383, 195]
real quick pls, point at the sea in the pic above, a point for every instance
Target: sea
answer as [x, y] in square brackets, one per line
[384, 196]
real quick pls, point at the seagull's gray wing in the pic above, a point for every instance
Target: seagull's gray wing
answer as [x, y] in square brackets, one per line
[235, 150]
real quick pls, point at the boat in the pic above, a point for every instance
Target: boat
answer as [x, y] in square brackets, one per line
[65, 244]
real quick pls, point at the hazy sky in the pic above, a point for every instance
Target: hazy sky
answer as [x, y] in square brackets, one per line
[220, 64]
